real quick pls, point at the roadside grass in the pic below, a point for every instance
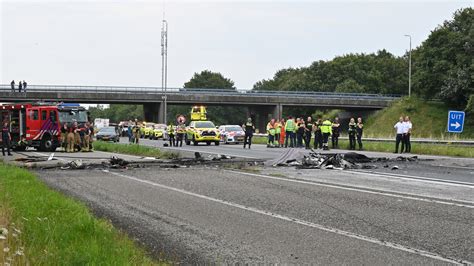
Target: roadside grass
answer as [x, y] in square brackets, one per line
[55, 230]
[416, 148]
[133, 149]
[429, 120]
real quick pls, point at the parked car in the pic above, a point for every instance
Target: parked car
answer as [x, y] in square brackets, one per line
[159, 131]
[202, 131]
[231, 134]
[108, 134]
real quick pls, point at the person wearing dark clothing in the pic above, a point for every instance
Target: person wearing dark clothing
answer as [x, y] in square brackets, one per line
[13, 85]
[308, 132]
[399, 137]
[318, 136]
[300, 129]
[20, 86]
[335, 133]
[359, 130]
[64, 131]
[249, 129]
[352, 134]
[24, 86]
[6, 138]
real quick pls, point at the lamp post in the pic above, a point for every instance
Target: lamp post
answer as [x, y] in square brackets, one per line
[164, 65]
[409, 67]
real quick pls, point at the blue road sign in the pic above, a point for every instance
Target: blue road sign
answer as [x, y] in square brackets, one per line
[455, 121]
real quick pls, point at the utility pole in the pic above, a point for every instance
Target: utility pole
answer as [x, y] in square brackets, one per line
[164, 64]
[409, 68]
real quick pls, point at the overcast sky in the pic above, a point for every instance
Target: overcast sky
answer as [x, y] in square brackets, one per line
[118, 42]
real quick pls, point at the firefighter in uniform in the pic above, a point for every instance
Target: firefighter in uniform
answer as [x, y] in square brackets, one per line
[249, 129]
[6, 138]
[87, 137]
[77, 137]
[326, 130]
[136, 133]
[64, 132]
[70, 138]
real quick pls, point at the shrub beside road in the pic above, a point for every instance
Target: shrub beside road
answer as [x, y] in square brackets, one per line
[43, 227]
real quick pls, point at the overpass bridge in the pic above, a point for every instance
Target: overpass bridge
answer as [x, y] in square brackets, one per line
[261, 104]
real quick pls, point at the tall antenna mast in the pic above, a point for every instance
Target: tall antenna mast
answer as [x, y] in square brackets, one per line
[164, 61]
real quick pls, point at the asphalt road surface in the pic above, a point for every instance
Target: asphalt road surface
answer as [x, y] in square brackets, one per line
[282, 215]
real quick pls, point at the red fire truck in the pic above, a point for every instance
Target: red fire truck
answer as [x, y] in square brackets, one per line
[38, 124]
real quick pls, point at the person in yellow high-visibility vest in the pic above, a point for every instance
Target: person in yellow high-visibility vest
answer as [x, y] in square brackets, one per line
[271, 133]
[277, 132]
[171, 134]
[290, 127]
[326, 130]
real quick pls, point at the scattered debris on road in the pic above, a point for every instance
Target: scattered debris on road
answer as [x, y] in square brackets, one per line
[304, 159]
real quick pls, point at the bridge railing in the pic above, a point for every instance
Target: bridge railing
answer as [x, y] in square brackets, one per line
[220, 92]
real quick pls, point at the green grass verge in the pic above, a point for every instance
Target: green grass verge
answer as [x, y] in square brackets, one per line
[56, 230]
[429, 120]
[133, 149]
[416, 148]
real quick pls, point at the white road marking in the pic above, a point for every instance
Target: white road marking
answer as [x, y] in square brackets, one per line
[301, 222]
[468, 204]
[412, 177]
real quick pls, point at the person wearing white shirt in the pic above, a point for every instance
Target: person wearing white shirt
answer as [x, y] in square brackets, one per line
[399, 126]
[407, 133]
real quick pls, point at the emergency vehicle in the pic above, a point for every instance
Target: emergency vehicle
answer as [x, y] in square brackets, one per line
[38, 124]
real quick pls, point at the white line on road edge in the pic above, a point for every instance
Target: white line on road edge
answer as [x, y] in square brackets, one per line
[376, 192]
[413, 177]
[302, 222]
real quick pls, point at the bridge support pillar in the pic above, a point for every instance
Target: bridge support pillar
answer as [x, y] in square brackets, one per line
[262, 114]
[153, 112]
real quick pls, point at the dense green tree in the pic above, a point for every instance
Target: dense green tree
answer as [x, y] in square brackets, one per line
[117, 112]
[444, 63]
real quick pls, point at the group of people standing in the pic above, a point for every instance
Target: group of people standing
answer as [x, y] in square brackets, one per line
[403, 128]
[76, 138]
[298, 133]
[176, 133]
[21, 86]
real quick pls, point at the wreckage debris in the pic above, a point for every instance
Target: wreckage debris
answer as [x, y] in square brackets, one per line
[314, 160]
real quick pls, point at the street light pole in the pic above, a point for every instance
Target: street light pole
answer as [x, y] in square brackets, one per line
[409, 67]
[164, 65]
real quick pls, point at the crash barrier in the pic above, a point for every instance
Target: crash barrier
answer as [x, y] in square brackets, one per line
[426, 141]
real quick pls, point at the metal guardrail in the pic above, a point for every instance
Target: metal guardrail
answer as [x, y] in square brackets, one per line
[413, 140]
[191, 91]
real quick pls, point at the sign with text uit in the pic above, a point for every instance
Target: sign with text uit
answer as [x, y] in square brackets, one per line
[455, 121]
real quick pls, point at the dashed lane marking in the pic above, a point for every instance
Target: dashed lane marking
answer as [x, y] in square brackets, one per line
[302, 222]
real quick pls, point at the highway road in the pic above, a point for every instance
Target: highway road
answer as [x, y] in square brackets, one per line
[202, 214]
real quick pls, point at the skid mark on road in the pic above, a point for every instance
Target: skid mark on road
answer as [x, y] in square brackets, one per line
[458, 203]
[301, 222]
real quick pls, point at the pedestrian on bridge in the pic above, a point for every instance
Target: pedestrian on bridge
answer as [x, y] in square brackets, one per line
[20, 86]
[249, 129]
[24, 86]
[12, 84]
